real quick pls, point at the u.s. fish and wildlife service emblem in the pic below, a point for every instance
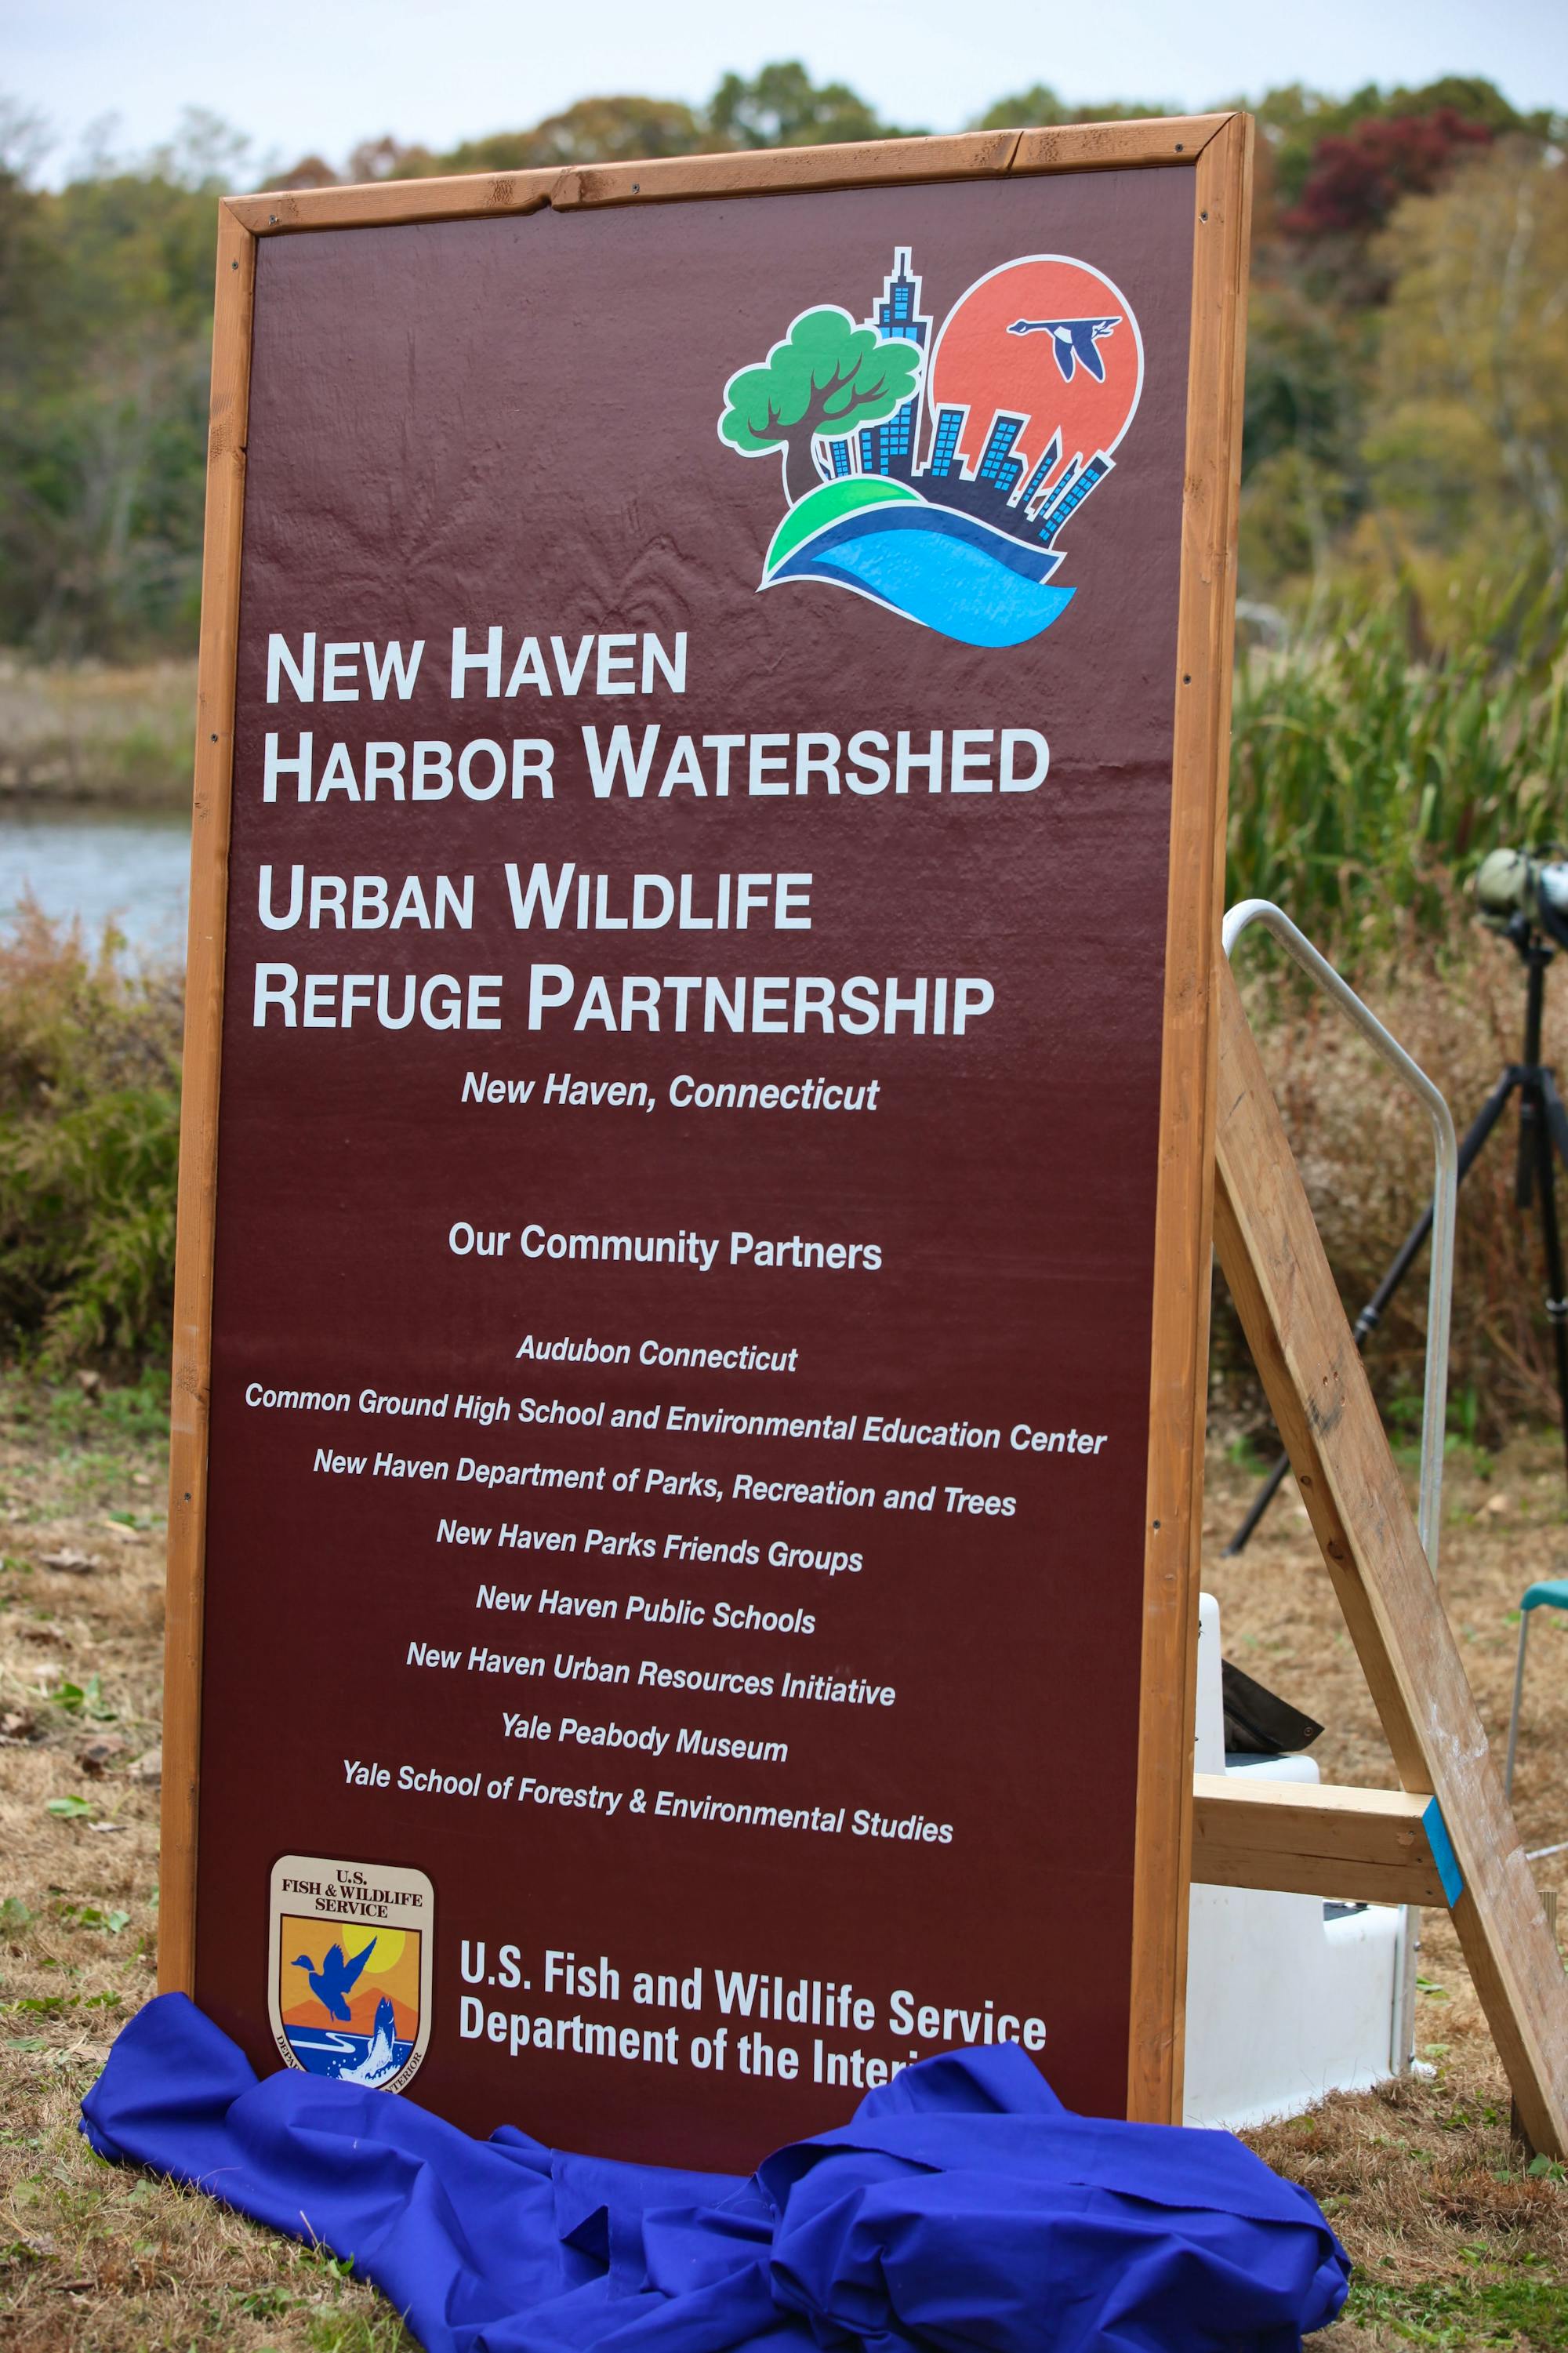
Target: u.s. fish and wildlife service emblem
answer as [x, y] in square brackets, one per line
[933, 474]
[349, 1969]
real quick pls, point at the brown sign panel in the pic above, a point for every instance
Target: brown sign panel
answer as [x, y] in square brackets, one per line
[695, 1212]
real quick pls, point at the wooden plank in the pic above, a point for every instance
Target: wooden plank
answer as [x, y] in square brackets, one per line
[1361, 1846]
[776, 171]
[968, 155]
[1317, 1387]
[773, 171]
[1179, 1367]
[380, 204]
[198, 1116]
[1117, 146]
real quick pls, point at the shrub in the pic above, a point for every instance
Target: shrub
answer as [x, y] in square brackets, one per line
[89, 1117]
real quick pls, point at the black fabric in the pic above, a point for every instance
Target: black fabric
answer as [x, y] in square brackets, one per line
[1256, 1723]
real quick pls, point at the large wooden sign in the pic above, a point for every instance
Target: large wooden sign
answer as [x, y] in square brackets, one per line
[695, 1211]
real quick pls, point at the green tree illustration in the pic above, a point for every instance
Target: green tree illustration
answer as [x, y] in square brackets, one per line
[827, 377]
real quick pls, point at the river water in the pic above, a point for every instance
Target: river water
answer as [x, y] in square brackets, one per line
[131, 871]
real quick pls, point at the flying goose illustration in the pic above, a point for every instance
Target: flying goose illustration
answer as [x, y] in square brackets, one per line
[335, 1979]
[1074, 341]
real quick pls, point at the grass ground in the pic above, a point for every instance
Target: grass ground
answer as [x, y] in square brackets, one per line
[1456, 2241]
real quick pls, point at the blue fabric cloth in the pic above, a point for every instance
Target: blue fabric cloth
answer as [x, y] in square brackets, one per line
[963, 2208]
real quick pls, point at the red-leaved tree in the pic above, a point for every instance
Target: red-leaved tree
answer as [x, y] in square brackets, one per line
[1356, 180]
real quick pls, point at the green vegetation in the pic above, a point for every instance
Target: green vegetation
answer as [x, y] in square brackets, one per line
[1407, 383]
[1521, 2306]
[1407, 393]
[105, 324]
[88, 1146]
[1367, 772]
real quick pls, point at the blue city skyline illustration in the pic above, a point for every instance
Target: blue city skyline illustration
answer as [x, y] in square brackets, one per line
[890, 451]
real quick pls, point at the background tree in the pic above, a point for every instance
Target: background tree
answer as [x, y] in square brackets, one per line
[1355, 181]
[595, 130]
[827, 377]
[1467, 424]
[1303, 479]
[1403, 419]
[105, 326]
[1334, 174]
[1039, 106]
[783, 107]
[315, 172]
[606, 129]
[1295, 122]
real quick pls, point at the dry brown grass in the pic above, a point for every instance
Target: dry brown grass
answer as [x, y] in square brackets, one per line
[92, 2256]
[1454, 996]
[90, 732]
[1456, 2244]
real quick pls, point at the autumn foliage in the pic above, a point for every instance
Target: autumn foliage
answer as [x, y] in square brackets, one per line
[1356, 180]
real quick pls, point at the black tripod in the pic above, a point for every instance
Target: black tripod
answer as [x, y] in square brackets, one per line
[1542, 1140]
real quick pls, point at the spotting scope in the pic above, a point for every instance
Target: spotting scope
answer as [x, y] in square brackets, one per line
[1512, 883]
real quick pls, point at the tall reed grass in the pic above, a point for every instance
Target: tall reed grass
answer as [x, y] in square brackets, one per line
[1367, 767]
[1371, 771]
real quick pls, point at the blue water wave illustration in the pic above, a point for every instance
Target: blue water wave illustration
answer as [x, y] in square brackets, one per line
[328, 2052]
[946, 570]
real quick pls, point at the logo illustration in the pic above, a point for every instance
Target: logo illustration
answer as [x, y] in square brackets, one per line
[350, 1966]
[934, 475]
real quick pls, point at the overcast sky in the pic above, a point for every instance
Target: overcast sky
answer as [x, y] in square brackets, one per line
[321, 77]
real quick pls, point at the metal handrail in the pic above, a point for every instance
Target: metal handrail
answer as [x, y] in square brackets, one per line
[1445, 1191]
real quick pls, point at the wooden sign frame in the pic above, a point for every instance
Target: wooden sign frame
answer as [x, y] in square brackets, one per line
[1217, 149]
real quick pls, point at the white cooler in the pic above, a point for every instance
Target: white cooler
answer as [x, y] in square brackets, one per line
[1288, 1998]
